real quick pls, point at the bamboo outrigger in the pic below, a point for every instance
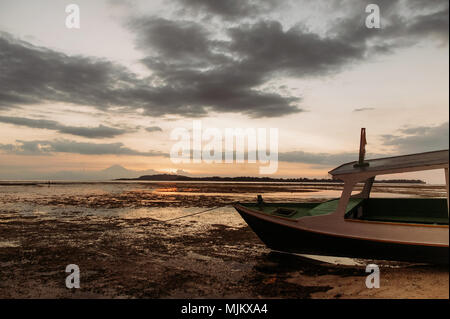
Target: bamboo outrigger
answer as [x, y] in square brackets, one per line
[406, 229]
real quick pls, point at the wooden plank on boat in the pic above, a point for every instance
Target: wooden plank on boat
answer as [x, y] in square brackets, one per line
[388, 165]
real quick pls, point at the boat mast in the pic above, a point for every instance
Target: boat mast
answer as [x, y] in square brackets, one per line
[362, 149]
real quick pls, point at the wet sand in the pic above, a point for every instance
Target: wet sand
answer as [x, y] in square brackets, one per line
[116, 233]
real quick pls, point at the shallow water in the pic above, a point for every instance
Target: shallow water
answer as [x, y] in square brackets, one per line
[163, 201]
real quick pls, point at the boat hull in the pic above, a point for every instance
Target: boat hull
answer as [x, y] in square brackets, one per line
[290, 239]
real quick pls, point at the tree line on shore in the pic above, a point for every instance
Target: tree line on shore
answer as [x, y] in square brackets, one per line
[182, 178]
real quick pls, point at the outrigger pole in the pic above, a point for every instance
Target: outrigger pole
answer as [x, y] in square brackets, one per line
[362, 149]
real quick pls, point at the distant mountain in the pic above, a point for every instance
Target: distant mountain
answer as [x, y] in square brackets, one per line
[116, 171]
[182, 178]
[110, 173]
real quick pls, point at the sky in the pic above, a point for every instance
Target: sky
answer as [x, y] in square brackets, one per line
[79, 100]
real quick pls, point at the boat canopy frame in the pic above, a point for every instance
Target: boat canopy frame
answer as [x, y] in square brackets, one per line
[351, 173]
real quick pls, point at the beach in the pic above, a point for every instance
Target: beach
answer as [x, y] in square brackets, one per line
[136, 240]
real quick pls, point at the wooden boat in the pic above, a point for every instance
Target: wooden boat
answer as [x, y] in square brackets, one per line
[403, 229]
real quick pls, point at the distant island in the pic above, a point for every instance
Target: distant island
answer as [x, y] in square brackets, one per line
[182, 178]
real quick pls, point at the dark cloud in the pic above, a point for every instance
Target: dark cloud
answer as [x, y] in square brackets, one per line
[202, 74]
[435, 23]
[184, 40]
[153, 129]
[232, 71]
[195, 71]
[419, 139]
[100, 131]
[230, 9]
[402, 23]
[32, 74]
[362, 109]
[265, 48]
[67, 146]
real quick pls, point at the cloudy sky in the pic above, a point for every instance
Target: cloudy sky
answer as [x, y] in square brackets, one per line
[111, 92]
